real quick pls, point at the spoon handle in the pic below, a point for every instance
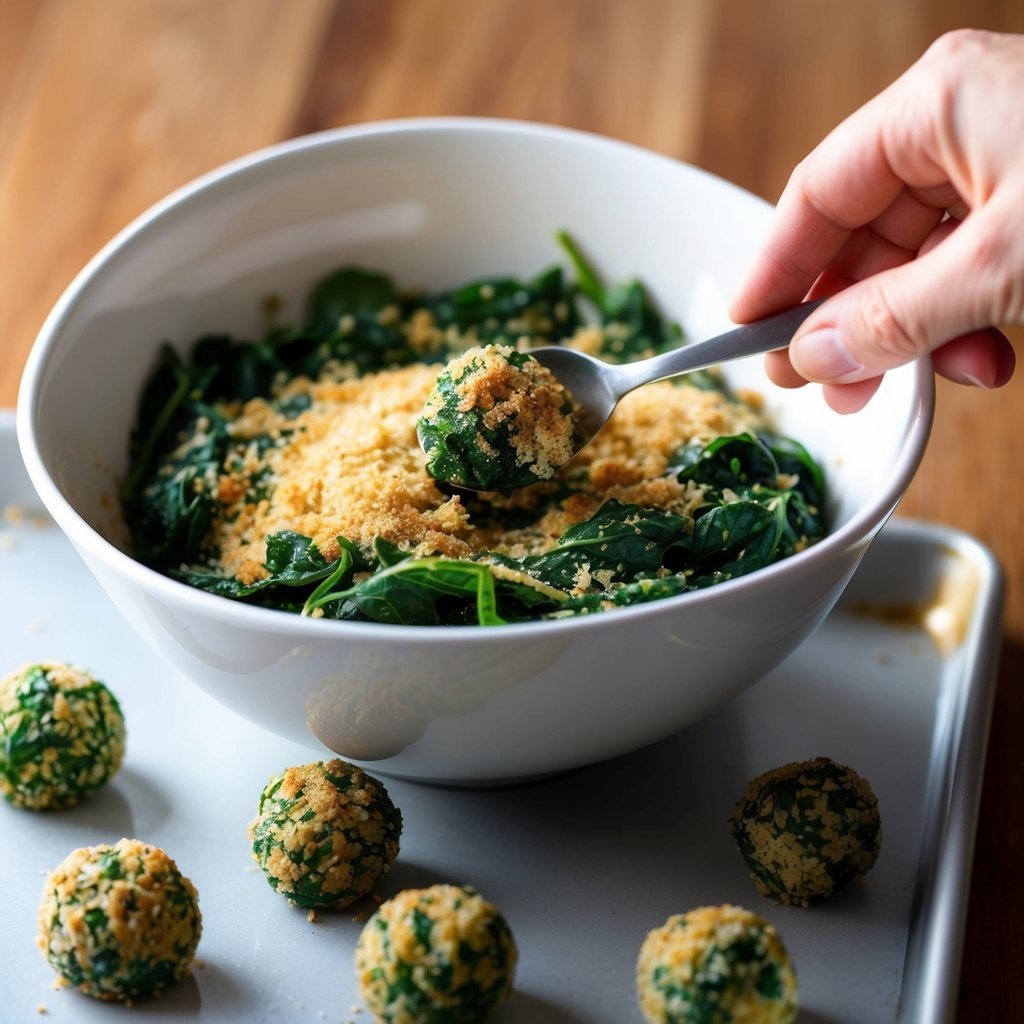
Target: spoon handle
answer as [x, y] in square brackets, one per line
[765, 335]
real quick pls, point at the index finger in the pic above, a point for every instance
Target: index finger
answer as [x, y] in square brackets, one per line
[846, 182]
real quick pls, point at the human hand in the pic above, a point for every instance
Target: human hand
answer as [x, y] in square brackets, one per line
[864, 219]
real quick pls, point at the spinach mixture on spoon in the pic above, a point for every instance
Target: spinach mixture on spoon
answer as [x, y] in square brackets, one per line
[288, 472]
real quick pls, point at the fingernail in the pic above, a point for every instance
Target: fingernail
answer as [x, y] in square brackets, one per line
[976, 382]
[822, 356]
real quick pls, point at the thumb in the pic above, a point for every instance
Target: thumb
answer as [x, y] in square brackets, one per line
[895, 316]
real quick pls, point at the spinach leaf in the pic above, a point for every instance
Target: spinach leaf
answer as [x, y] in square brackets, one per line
[524, 598]
[388, 553]
[794, 459]
[619, 538]
[177, 398]
[733, 539]
[325, 594]
[751, 467]
[639, 591]
[502, 309]
[214, 582]
[633, 327]
[801, 525]
[737, 462]
[171, 517]
[414, 592]
[434, 591]
[350, 291]
[164, 407]
[461, 447]
[292, 561]
[237, 370]
[347, 324]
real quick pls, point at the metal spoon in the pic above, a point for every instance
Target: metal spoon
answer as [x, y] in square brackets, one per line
[597, 386]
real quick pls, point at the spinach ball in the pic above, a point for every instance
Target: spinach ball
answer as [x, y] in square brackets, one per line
[441, 955]
[119, 922]
[807, 829]
[325, 833]
[496, 420]
[62, 735]
[715, 965]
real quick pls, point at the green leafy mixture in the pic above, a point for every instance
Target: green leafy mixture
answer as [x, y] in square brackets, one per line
[807, 829]
[62, 736]
[440, 955]
[761, 496]
[119, 922]
[325, 833]
[496, 420]
[715, 965]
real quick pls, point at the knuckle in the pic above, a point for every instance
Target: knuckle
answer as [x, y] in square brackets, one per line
[937, 82]
[801, 173]
[960, 42]
[948, 62]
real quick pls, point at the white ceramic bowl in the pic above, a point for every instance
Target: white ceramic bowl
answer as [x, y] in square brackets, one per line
[435, 203]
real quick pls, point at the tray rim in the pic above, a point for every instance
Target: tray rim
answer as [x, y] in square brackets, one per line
[934, 956]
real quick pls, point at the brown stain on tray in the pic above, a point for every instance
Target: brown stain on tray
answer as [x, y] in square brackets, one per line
[945, 615]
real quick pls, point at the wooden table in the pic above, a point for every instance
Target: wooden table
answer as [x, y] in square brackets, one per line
[106, 105]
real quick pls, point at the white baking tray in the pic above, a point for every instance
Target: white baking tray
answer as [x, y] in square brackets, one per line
[897, 683]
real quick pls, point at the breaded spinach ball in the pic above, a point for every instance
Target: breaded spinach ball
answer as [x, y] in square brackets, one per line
[119, 922]
[496, 420]
[715, 965]
[61, 735]
[441, 955]
[325, 833]
[807, 829]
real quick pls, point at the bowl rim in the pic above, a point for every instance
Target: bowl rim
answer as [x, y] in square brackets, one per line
[865, 522]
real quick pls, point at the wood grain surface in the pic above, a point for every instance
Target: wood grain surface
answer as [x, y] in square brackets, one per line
[106, 105]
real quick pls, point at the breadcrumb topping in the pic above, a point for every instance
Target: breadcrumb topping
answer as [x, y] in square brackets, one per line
[119, 921]
[806, 829]
[325, 834]
[716, 964]
[350, 465]
[527, 398]
[440, 953]
[62, 735]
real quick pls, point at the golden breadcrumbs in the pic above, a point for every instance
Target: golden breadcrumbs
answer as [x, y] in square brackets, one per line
[350, 465]
[721, 965]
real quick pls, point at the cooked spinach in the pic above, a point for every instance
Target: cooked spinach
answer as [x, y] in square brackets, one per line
[763, 495]
[633, 326]
[464, 448]
[503, 309]
[732, 540]
[292, 561]
[403, 590]
[618, 541]
[771, 473]
[350, 291]
[168, 495]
